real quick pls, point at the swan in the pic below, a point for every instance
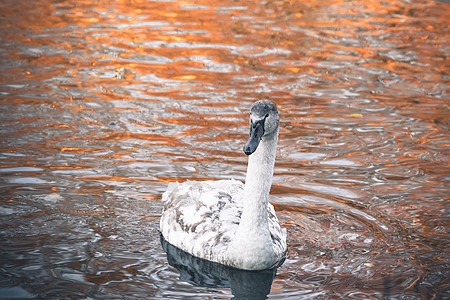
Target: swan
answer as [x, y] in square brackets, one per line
[226, 221]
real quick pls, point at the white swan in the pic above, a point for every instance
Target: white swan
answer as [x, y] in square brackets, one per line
[224, 221]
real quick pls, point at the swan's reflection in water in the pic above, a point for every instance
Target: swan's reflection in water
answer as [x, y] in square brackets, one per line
[200, 272]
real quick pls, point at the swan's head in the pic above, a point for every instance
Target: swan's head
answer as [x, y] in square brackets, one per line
[264, 121]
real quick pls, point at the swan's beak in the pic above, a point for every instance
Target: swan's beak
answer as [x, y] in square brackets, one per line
[256, 132]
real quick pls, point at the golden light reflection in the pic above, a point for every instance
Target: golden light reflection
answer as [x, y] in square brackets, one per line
[105, 97]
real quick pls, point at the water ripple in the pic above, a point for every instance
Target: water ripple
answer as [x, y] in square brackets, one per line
[103, 103]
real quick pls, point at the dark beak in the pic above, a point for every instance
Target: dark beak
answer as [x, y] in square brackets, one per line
[256, 132]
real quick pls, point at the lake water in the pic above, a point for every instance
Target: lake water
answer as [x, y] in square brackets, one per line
[104, 102]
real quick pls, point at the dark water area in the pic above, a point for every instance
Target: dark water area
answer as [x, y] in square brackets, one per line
[102, 103]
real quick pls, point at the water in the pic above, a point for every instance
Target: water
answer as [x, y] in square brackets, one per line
[103, 103]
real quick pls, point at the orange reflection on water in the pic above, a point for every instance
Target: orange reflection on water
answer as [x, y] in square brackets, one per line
[105, 102]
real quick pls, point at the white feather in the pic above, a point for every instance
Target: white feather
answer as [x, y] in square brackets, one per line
[225, 221]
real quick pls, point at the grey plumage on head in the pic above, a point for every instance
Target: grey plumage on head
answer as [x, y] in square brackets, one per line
[263, 107]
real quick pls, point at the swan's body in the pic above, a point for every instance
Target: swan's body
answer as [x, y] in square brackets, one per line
[226, 221]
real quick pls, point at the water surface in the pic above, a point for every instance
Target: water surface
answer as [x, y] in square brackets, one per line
[104, 102]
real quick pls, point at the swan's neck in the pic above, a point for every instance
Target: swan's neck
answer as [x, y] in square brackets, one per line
[252, 245]
[259, 180]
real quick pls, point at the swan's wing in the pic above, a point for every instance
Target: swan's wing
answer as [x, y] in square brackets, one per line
[277, 233]
[202, 217]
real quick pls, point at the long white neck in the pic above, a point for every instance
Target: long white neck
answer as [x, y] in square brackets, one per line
[259, 180]
[252, 243]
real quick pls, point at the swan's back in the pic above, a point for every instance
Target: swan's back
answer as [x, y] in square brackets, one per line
[202, 217]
